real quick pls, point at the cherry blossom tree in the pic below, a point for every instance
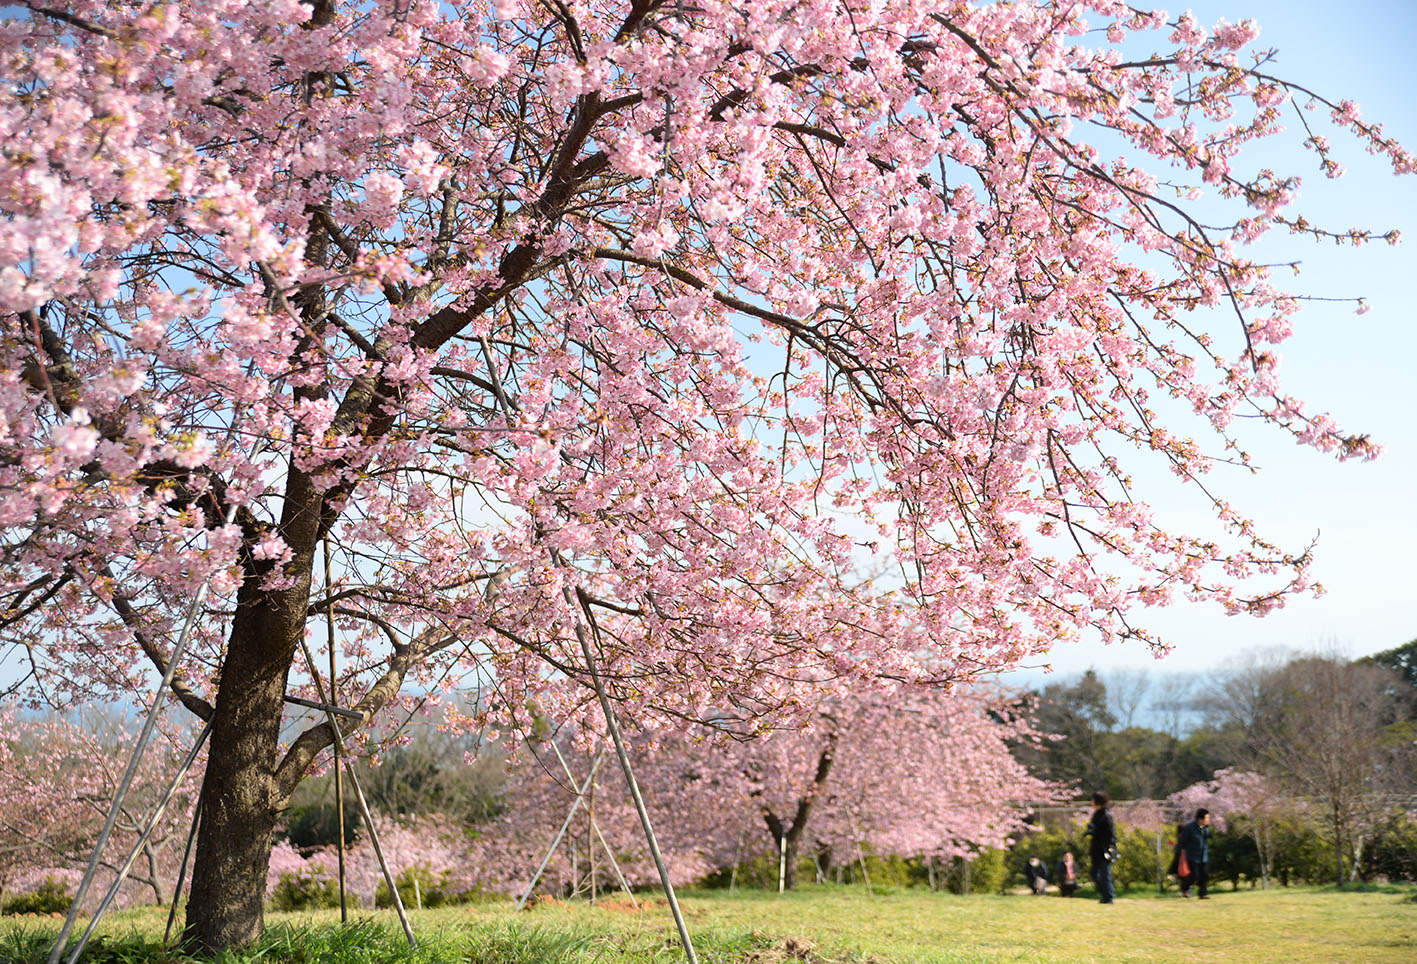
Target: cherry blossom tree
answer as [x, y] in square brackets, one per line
[910, 774]
[621, 328]
[60, 776]
[1240, 793]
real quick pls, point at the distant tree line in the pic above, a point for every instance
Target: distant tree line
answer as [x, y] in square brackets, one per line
[1330, 743]
[1337, 739]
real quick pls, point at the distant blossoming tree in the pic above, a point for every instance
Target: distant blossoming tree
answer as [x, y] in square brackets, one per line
[1241, 793]
[917, 774]
[59, 777]
[912, 774]
[625, 321]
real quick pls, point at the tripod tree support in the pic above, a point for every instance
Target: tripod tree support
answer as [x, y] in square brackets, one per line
[614, 864]
[576, 805]
[583, 636]
[127, 779]
[359, 795]
[108, 898]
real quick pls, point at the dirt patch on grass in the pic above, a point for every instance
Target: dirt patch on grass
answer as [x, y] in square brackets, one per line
[622, 905]
[785, 949]
[544, 900]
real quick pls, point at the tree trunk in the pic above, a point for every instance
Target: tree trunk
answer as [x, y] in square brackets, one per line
[791, 836]
[1338, 842]
[240, 795]
[790, 861]
[1262, 843]
[226, 908]
[154, 884]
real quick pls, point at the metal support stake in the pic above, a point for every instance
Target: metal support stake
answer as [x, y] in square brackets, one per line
[172, 786]
[590, 839]
[614, 864]
[379, 851]
[614, 727]
[182, 871]
[866, 874]
[359, 796]
[595, 765]
[339, 782]
[322, 707]
[737, 859]
[610, 723]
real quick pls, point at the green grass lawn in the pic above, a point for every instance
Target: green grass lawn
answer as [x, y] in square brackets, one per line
[825, 925]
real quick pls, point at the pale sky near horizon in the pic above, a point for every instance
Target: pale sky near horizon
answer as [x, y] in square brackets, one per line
[1358, 368]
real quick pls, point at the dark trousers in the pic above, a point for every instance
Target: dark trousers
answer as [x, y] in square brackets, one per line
[1102, 877]
[1198, 877]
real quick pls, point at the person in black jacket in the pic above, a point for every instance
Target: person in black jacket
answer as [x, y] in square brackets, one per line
[1195, 844]
[1037, 875]
[1103, 832]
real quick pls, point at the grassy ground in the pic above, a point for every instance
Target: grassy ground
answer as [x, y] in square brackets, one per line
[824, 926]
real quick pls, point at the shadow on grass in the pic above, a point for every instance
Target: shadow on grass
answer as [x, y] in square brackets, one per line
[362, 942]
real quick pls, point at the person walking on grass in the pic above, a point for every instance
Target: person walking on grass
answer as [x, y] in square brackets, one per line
[1103, 848]
[1195, 846]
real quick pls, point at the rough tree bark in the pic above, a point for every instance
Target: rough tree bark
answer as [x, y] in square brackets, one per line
[240, 795]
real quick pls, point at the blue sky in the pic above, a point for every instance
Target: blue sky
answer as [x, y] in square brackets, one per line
[1362, 369]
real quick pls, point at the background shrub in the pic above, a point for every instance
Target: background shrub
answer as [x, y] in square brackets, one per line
[50, 897]
[432, 889]
[313, 891]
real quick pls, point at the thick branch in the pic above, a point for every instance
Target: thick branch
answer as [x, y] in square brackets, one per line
[307, 746]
